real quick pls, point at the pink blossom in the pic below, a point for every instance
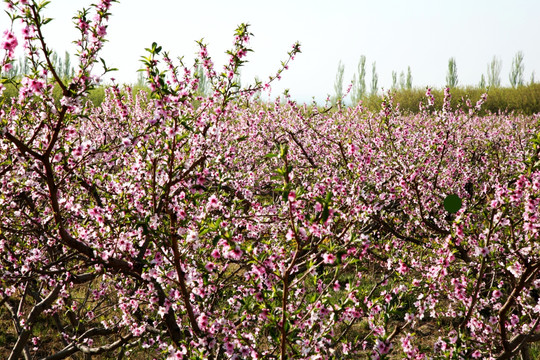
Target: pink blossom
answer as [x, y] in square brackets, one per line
[10, 42]
[83, 25]
[138, 330]
[202, 321]
[409, 317]
[215, 254]
[476, 354]
[235, 254]
[162, 311]
[101, 30]
[290, 235]
[402, 269]
[213, 203]
[328, 258]
[229, 347]
[292, 196]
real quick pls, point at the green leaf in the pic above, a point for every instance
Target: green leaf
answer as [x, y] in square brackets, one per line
[285, 195]
[43, 4]
[283, 150]
[329, 197]
[274, 334]
[452, 203]
[287, 326]
[325, 213]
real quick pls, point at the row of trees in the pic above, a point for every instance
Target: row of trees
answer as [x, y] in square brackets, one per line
[359, 90]
[359, 87]
[63, 66]
[516, 75]
[492, 79]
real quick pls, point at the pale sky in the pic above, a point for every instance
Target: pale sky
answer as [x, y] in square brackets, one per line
[393, 33]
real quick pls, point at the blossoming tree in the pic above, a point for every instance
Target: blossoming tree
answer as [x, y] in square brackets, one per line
[207, 227]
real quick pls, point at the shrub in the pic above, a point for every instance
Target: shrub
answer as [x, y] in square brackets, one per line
[522, 100]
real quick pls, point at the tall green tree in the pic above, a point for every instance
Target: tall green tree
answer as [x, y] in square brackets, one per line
[494, 73]
[394, 80]
[374, 79]
[338, 84]
[402, 81]
[141, 79]
[62, 66]
[516, 74]
[359, 81]
[482, 84]
[68, 69]
[451, 75]
[203, 86]
[57, 63]
[409, 78]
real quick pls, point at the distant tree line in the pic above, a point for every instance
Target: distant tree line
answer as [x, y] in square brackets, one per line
[492, 78]
[63, 66]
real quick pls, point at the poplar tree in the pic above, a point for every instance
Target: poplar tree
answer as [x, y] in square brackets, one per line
[338, 84]
[374, 79]
[494, 73]
[482, 84]
[402, 81]
[451, 76]
[359, 83]
[394, 80]
[409, 78]
[516, 74]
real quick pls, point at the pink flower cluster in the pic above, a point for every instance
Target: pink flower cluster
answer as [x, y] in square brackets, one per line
[9, 43]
